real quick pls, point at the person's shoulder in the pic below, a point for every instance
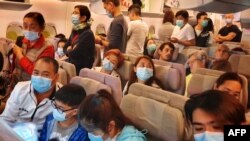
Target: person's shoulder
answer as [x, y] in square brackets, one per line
[23, 84]
[130, 133]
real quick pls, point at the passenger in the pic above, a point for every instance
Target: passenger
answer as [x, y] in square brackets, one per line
[104, 120]
[202, 32]
[30, 101]
[143, 72]
[166, 51]
[166, 29]
[62, 123]
[113, 59]
[117, 35]
[222, 52]
[231, 83]
[208, 112]
[149, 48]
[183, 34]
[80, 47]
[60, 36]
[59, 54]
[230, 32]
[32, 46]
[137, 32]
[221, 65]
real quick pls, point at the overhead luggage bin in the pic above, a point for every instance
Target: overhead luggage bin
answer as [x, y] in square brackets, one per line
[17, 5]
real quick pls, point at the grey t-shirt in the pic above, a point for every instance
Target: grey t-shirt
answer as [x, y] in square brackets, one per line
[117, 34]
[61, 133]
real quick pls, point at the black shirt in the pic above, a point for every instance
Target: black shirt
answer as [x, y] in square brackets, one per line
[224, 31]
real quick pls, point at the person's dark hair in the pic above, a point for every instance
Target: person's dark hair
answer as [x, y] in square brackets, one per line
[62, 40]
[38, 17]
[228, 76]
[84, 11]
[136, 9]
[115, 2]
[210, 26]
[60, 36]
[223, 106]
[50, 60]
[168, 17]
[149, 82]
[162, 46]
[137, 2]
[182, 13]
[99, 109]
[71, 94]
[198, 16]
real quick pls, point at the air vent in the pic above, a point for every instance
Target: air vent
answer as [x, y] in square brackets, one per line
[17, 5]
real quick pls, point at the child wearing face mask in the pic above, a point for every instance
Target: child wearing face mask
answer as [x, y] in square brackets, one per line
[59, 54]
[62, 123]
[208, 112]
[149, 48]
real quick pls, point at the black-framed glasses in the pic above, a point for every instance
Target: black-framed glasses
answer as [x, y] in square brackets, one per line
[61, 111]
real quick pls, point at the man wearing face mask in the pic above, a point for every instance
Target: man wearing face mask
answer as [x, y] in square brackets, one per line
[30, 101]
[183, 34]
[230, 32]
[117, 35]
[62, 124]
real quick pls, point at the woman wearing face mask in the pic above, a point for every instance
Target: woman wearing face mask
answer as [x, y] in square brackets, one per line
[32, 46]
[80, 47]
[113, 59]
[59, 54]
[149, 48]
[209, 111]
[62, 124]
[143, 72]
[103, 119]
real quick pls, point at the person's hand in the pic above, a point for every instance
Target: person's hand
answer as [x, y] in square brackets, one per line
[174, 40]
[69, 49]
[98, 39]
[18, 52]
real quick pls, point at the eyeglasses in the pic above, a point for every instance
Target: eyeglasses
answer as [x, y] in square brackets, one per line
[61, 111]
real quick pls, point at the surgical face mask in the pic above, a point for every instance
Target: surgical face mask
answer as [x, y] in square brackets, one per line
[59, 116]
[60, 51]
[151, 48]
[109, 14]
[144, 73]
[204, 23]
[179, 23]
[93, 137]
[209, 136]
[229, 21]
[75, 19]
[31, 35]
[41, 84]
[107, 65]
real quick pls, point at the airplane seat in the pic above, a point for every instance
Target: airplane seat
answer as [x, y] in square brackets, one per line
[160, 112]
[124, 70]
[50, 30]
[169, 77]
[130, 58]
[69, 69]
[239, 64]
[53, 41]
[113, 82]
[204, 79]
[174, 57]
[97, 61]
[100, 29]
[181, 70]
[14, 30]
[91, 86]
[245, 37]
[63, 79]
[4, 50]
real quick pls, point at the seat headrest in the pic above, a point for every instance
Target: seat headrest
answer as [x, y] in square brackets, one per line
[125, 70]
[130, 58]
[69, 68]
[63, 79]
[239, 64]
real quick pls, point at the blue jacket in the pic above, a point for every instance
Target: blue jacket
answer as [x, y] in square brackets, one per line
[80, 134]
[130, 133]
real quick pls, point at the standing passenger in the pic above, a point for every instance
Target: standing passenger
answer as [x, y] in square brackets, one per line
[166, 29]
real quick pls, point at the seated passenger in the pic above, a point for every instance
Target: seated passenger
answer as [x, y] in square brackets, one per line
[143, 72]
[62, 123]
[231, 83]
[222, 52]
[59, 54]
[230, 32]
[32, 46]
[166, 51]
[183, 34]
[208, 112]
[113, 59]
[149, 48]
[30, 101]
[103, 119]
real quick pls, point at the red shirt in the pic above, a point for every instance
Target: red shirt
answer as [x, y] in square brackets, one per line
[26, 64]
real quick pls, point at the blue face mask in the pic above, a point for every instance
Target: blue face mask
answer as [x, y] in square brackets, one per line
[209, 136]
[31, 35]
[204, 23]
[75, 19]
[41, 84]
[151, 48]
[60, 51]
[109, 14]
[59, 116]
[144, 73]
[107, 65]
[180, 23]
[27, 131]
[93, 137]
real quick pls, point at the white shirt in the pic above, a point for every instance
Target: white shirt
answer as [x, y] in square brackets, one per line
[22, 106]
[184, 34]
[137, 32]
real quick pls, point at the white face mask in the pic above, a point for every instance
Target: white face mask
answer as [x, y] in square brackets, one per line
[209, 136]
[229, 21]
